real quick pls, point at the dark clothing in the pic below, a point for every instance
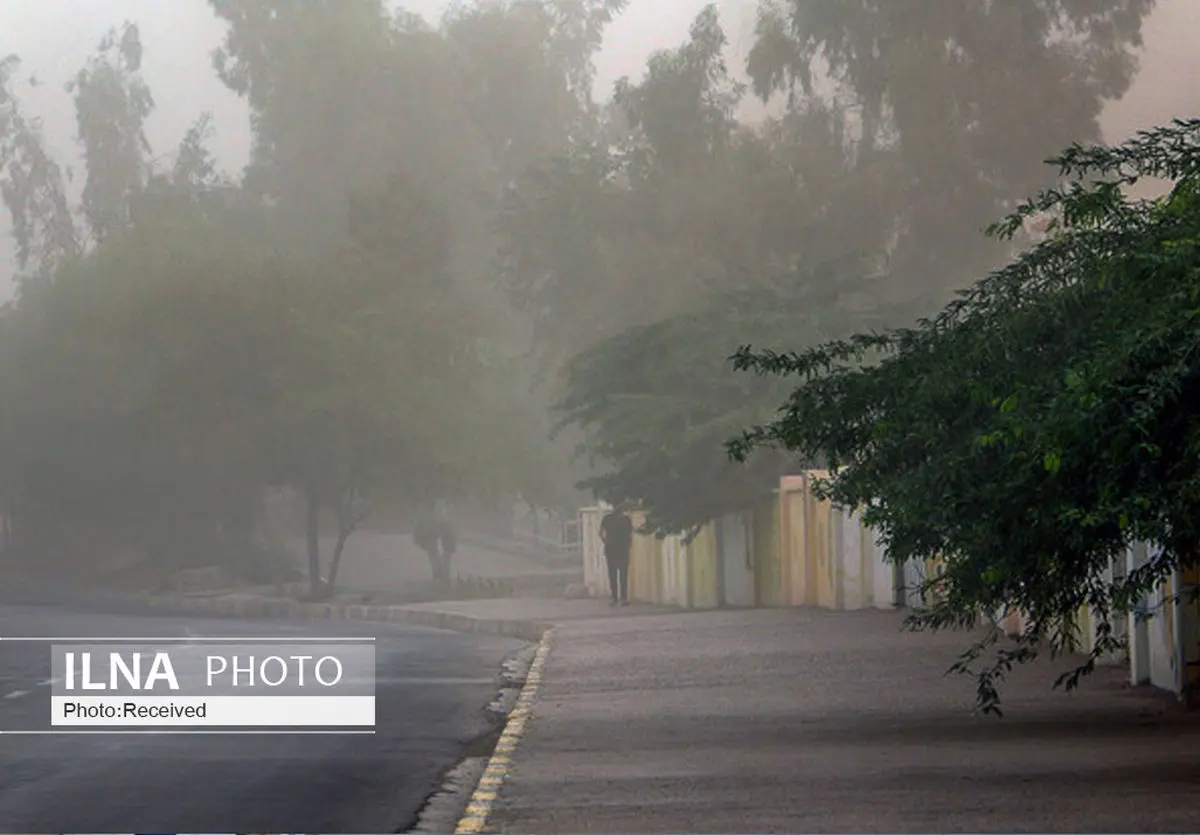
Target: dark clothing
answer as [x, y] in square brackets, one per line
[449, 537]
[617, 531]
[426, 534]
[618, 578]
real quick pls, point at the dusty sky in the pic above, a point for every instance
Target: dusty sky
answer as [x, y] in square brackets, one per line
[53, 37]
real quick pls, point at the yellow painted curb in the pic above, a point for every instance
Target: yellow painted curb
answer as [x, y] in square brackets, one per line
[475, 817]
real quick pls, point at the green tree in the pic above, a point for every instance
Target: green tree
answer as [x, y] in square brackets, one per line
[656, 403]
[654, 407]
[694, 234]
[861, 200]
[1038, 425]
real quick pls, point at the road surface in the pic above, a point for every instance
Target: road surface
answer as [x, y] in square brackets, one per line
[432, 689]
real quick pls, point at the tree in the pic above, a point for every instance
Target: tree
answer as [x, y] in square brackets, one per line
[970, 97]
[457, 110]
[125, 390]
[97, 442]
[328, 323]
[526, 71]
[334, 104]
[374, 389]
[860, 200]
[1038, 425]
[32, 187]
[156, 384]
[657, 403]
[721, 233]
[112, 104]
[194, 167]
[623, 213]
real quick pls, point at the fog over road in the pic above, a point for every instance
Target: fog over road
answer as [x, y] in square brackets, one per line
[432, 688]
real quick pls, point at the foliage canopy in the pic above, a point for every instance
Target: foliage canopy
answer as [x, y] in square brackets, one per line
[1040, 423]
[184, 340]
[855, 207]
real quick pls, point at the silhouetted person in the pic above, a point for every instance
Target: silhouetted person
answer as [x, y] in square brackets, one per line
[427, 534]
[616, 532]
[447, 536]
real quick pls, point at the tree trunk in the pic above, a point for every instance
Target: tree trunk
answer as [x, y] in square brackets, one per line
[336, 563]
[348, 521]
[313, 524]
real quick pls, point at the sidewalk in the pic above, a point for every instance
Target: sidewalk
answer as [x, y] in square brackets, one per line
[811, 721]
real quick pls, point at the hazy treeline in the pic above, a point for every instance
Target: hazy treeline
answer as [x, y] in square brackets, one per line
[439, 220]
[328, 320]
[899, 130]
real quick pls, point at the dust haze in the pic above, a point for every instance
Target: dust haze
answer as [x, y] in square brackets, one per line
[343, 299]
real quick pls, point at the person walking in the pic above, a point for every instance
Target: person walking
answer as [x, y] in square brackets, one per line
[616, 532]
[427, 536]
[447, 535]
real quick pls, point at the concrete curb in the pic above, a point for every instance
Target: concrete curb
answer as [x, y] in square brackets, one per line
[251, 607]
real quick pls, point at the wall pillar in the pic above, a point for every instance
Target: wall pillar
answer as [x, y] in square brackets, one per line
[1139, 629]
[1188, 625]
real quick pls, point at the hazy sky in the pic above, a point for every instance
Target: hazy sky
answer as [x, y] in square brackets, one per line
[53, 37]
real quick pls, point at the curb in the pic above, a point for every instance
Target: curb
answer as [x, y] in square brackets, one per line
[483, 800]
[526, 630]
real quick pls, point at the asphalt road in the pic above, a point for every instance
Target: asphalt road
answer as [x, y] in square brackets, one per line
[432, 688]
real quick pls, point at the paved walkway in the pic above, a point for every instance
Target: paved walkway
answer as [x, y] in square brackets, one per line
[809, 721]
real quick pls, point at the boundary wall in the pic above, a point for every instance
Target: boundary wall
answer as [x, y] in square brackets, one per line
[796, 549]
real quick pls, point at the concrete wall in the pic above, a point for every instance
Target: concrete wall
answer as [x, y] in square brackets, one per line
[667, 571]
[829, 558]
[734, 533]
[770, 575]
[675, 576]
[704, 570]
[644, 571]
[595, 571]
[795, 549]
[1161, 635]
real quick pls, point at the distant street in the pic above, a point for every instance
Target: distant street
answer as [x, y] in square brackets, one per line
[391, 562]
[432, 689]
